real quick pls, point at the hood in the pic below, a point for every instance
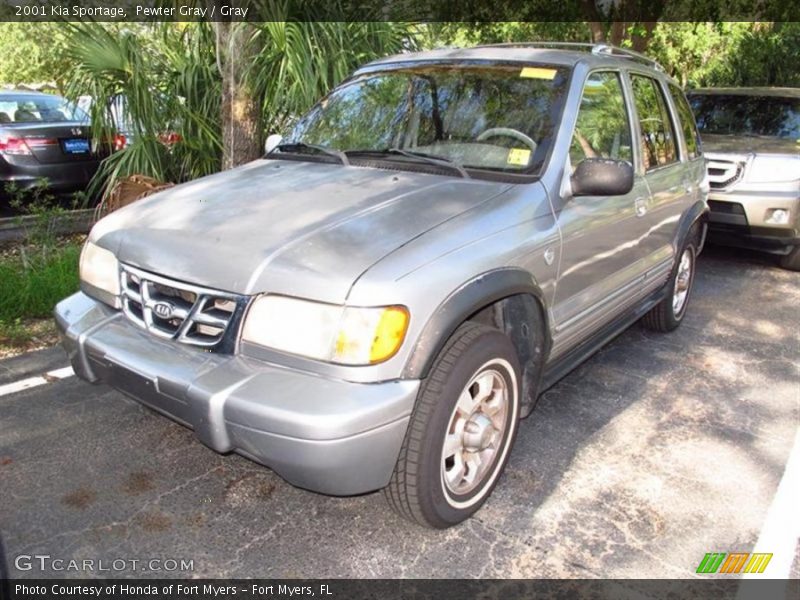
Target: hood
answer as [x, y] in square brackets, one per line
[297, 228]
[744, 144]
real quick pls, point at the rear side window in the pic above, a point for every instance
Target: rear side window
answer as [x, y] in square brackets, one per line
[658, 136]
[687, 121]
[602, 129]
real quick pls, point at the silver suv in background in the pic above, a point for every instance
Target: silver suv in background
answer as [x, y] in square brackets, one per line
[751, 139]
[380, 300]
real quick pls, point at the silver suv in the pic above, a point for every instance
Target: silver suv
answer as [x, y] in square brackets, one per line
[751, 138]
[380, 300]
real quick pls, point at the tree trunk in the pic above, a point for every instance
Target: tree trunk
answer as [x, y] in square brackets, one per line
[618, 29]
[641, 41]
[595, 21]
[241, 103]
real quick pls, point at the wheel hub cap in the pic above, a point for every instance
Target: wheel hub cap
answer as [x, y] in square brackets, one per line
[475, 432]
[683, 280]
[478, 433]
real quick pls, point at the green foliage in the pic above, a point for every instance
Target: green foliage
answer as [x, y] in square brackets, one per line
[33, 53]
[168, 81]
[169, 72]
[717, 53]
[42, 210]
[767, 54]
[41, 271]
[171, 81]
[729, 53]
[437, 35]
[32, 282]
[300, 62]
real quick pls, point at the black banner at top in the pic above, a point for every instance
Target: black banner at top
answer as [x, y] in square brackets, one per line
[473, 11]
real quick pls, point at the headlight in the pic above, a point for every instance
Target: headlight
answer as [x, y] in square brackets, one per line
[338, 334]
[99, 268]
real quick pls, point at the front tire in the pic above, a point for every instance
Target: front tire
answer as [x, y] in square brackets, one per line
[461, 431]
[668, 314]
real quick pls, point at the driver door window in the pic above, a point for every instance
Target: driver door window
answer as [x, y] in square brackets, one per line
[602, 129]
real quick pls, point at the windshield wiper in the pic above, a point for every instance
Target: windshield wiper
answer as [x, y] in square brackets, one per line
[302, 147]
[418, 156]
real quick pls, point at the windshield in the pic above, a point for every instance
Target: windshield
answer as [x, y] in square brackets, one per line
[498, 118]
[735, 114]
[38, 109]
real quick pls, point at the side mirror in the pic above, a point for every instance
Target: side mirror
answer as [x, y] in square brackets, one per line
[272, 141]
[602, 177]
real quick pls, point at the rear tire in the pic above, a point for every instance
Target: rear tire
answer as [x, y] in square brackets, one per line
[791, 261]
[461, 431]
[668, 314]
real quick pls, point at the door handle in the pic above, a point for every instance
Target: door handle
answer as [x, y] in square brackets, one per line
[640, 205]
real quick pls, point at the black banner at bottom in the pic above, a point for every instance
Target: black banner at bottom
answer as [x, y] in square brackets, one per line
[395, 589]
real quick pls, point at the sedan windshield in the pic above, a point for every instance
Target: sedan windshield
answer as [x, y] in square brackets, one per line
[38, 109]
[496, 118]
[737, 114]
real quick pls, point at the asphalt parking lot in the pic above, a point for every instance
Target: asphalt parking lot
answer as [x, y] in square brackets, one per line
[659, 449]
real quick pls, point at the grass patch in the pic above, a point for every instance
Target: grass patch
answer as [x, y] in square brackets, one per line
[26, 335]
[36, 273]
[33, 280]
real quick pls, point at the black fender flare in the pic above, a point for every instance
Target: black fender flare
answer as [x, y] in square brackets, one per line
[698, 212]
[469, 298]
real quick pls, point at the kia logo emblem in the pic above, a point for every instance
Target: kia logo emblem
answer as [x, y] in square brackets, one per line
[163, 309]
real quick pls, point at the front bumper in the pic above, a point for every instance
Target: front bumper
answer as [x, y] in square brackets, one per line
[739, 219]
[326, 435]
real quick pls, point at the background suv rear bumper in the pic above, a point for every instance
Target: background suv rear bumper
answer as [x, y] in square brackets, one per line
[327, 435]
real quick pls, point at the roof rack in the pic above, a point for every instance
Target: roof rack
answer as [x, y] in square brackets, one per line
[596, 49]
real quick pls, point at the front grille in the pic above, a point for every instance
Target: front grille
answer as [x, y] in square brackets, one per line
[179, 311]
[723, 173]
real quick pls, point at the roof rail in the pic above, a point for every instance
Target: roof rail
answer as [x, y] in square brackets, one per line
[596, 49]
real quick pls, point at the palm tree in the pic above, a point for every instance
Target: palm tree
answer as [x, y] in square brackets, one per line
[220, 86]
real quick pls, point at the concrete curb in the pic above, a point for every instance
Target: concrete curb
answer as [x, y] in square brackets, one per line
[73, 221]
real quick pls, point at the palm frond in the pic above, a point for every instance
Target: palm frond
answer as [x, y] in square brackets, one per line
[169, 77]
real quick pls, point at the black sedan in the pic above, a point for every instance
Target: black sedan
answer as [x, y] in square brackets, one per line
[45, 136]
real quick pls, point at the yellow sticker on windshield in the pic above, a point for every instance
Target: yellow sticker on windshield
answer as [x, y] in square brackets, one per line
[519, 156]
[538, 73]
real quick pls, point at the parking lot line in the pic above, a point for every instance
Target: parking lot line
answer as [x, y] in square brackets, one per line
[781, 531]
[60, 373]
[31, 382]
